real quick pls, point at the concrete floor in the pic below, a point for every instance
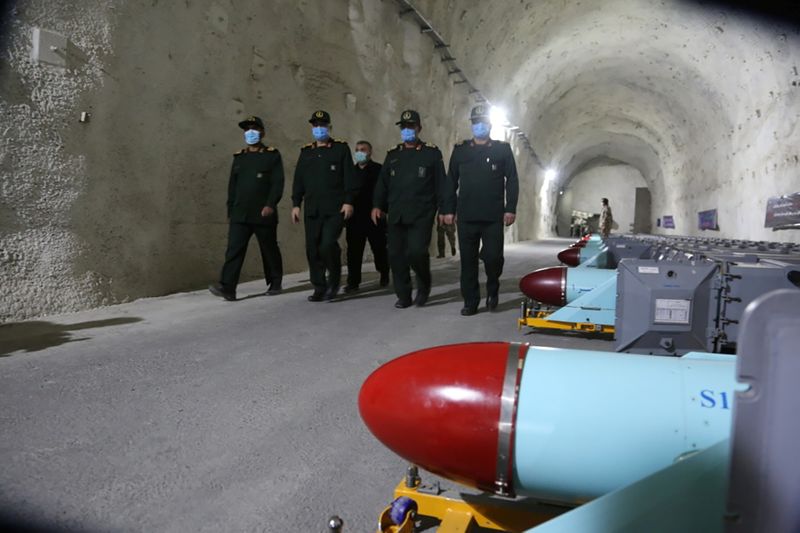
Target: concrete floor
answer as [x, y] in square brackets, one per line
[188, 413]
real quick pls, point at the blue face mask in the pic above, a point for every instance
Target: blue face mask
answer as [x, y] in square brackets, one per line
[481, 130]
[252, 136]
[408, 135]
[361, 157]
[320, 133]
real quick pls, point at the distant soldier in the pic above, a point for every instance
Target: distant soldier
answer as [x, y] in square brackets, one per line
[484, 174]
[606, 219]
[445, 230]
[411, 187]
[360, 228]
[255, 187]
[324, 178]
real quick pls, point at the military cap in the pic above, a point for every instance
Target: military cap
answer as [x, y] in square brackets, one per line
[251, 121]
[409, 116]
[479, 113]
[320, 116]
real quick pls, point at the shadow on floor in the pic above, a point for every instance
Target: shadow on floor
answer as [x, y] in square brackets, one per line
[306, 287]
[38, 334]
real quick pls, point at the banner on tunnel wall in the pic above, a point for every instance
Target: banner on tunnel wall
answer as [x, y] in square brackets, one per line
[707, 219]
[783, 211]
[668, 222]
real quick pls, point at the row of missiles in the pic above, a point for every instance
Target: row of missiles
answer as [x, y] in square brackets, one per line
[599, 432]
[659, 295]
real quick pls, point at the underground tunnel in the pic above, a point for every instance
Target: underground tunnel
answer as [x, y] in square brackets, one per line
[119, 123]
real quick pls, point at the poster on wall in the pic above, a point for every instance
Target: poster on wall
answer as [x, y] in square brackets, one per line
[668, 222]
[707, 219]
[783, 211]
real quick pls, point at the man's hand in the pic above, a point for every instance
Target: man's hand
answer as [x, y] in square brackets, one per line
[375, 215]
[267, 211]
[448, 220]
[509, 218]
[347, 211]
[295, 215]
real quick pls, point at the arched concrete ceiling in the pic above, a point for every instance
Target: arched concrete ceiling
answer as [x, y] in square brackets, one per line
[667, 87]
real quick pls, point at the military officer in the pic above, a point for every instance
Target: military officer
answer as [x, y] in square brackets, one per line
[411, 188]
[360, 228]
[484, 174]
[254, 189]
[325, 180]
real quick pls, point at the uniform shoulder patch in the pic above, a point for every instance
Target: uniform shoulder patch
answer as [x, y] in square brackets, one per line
[431, 145]
[398, 147]
[270, 148]
[340, 141]
[309, 145]
[240, 152]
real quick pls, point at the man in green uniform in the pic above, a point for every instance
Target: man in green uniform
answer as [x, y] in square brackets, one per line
[325, 179]
[411, 188]
[484, 174]
[254, 189]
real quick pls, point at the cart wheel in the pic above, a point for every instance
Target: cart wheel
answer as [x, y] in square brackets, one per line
[401, 507]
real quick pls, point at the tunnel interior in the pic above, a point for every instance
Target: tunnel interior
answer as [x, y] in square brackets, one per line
[695, 103]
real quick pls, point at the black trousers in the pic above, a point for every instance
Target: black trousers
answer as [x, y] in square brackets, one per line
[358, 233]
[480, 240]
[323, 251]
[408, 250]
[238, 238]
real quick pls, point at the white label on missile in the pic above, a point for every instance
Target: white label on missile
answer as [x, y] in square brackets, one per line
[621, 245]
[672, 311]
[648, 270]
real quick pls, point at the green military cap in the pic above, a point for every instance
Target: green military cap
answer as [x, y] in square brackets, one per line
[409, 116]
[479, 113]
[320, 116]
[251, 121]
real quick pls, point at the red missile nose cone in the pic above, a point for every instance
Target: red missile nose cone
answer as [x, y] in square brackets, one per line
[546, 285]
[570, 256]
[440, 408]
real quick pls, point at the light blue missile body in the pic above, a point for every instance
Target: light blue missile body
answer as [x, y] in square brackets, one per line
[696, 486]
[591, 296]
[594, 254]
[589, 422]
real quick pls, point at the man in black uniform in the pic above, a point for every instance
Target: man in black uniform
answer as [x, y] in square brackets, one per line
[254, 189]
[411, 187]
[484, 174]
[325, 179]
[360, 228]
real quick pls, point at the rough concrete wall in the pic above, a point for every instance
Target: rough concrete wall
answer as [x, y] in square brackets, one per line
[702, 101]
[618, 183]
[132, 203]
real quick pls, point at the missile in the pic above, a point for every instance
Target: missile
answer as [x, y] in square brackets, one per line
[570, 256]
[556, 424]
[575, 255]
[561, 285]
[580, 243]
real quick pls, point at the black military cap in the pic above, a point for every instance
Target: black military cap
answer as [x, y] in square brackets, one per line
[320, 116]
[479, 113]
[251, 121]
[409, 116]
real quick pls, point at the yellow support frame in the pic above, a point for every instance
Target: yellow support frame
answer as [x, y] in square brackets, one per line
[538, 319]
[458, 515]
